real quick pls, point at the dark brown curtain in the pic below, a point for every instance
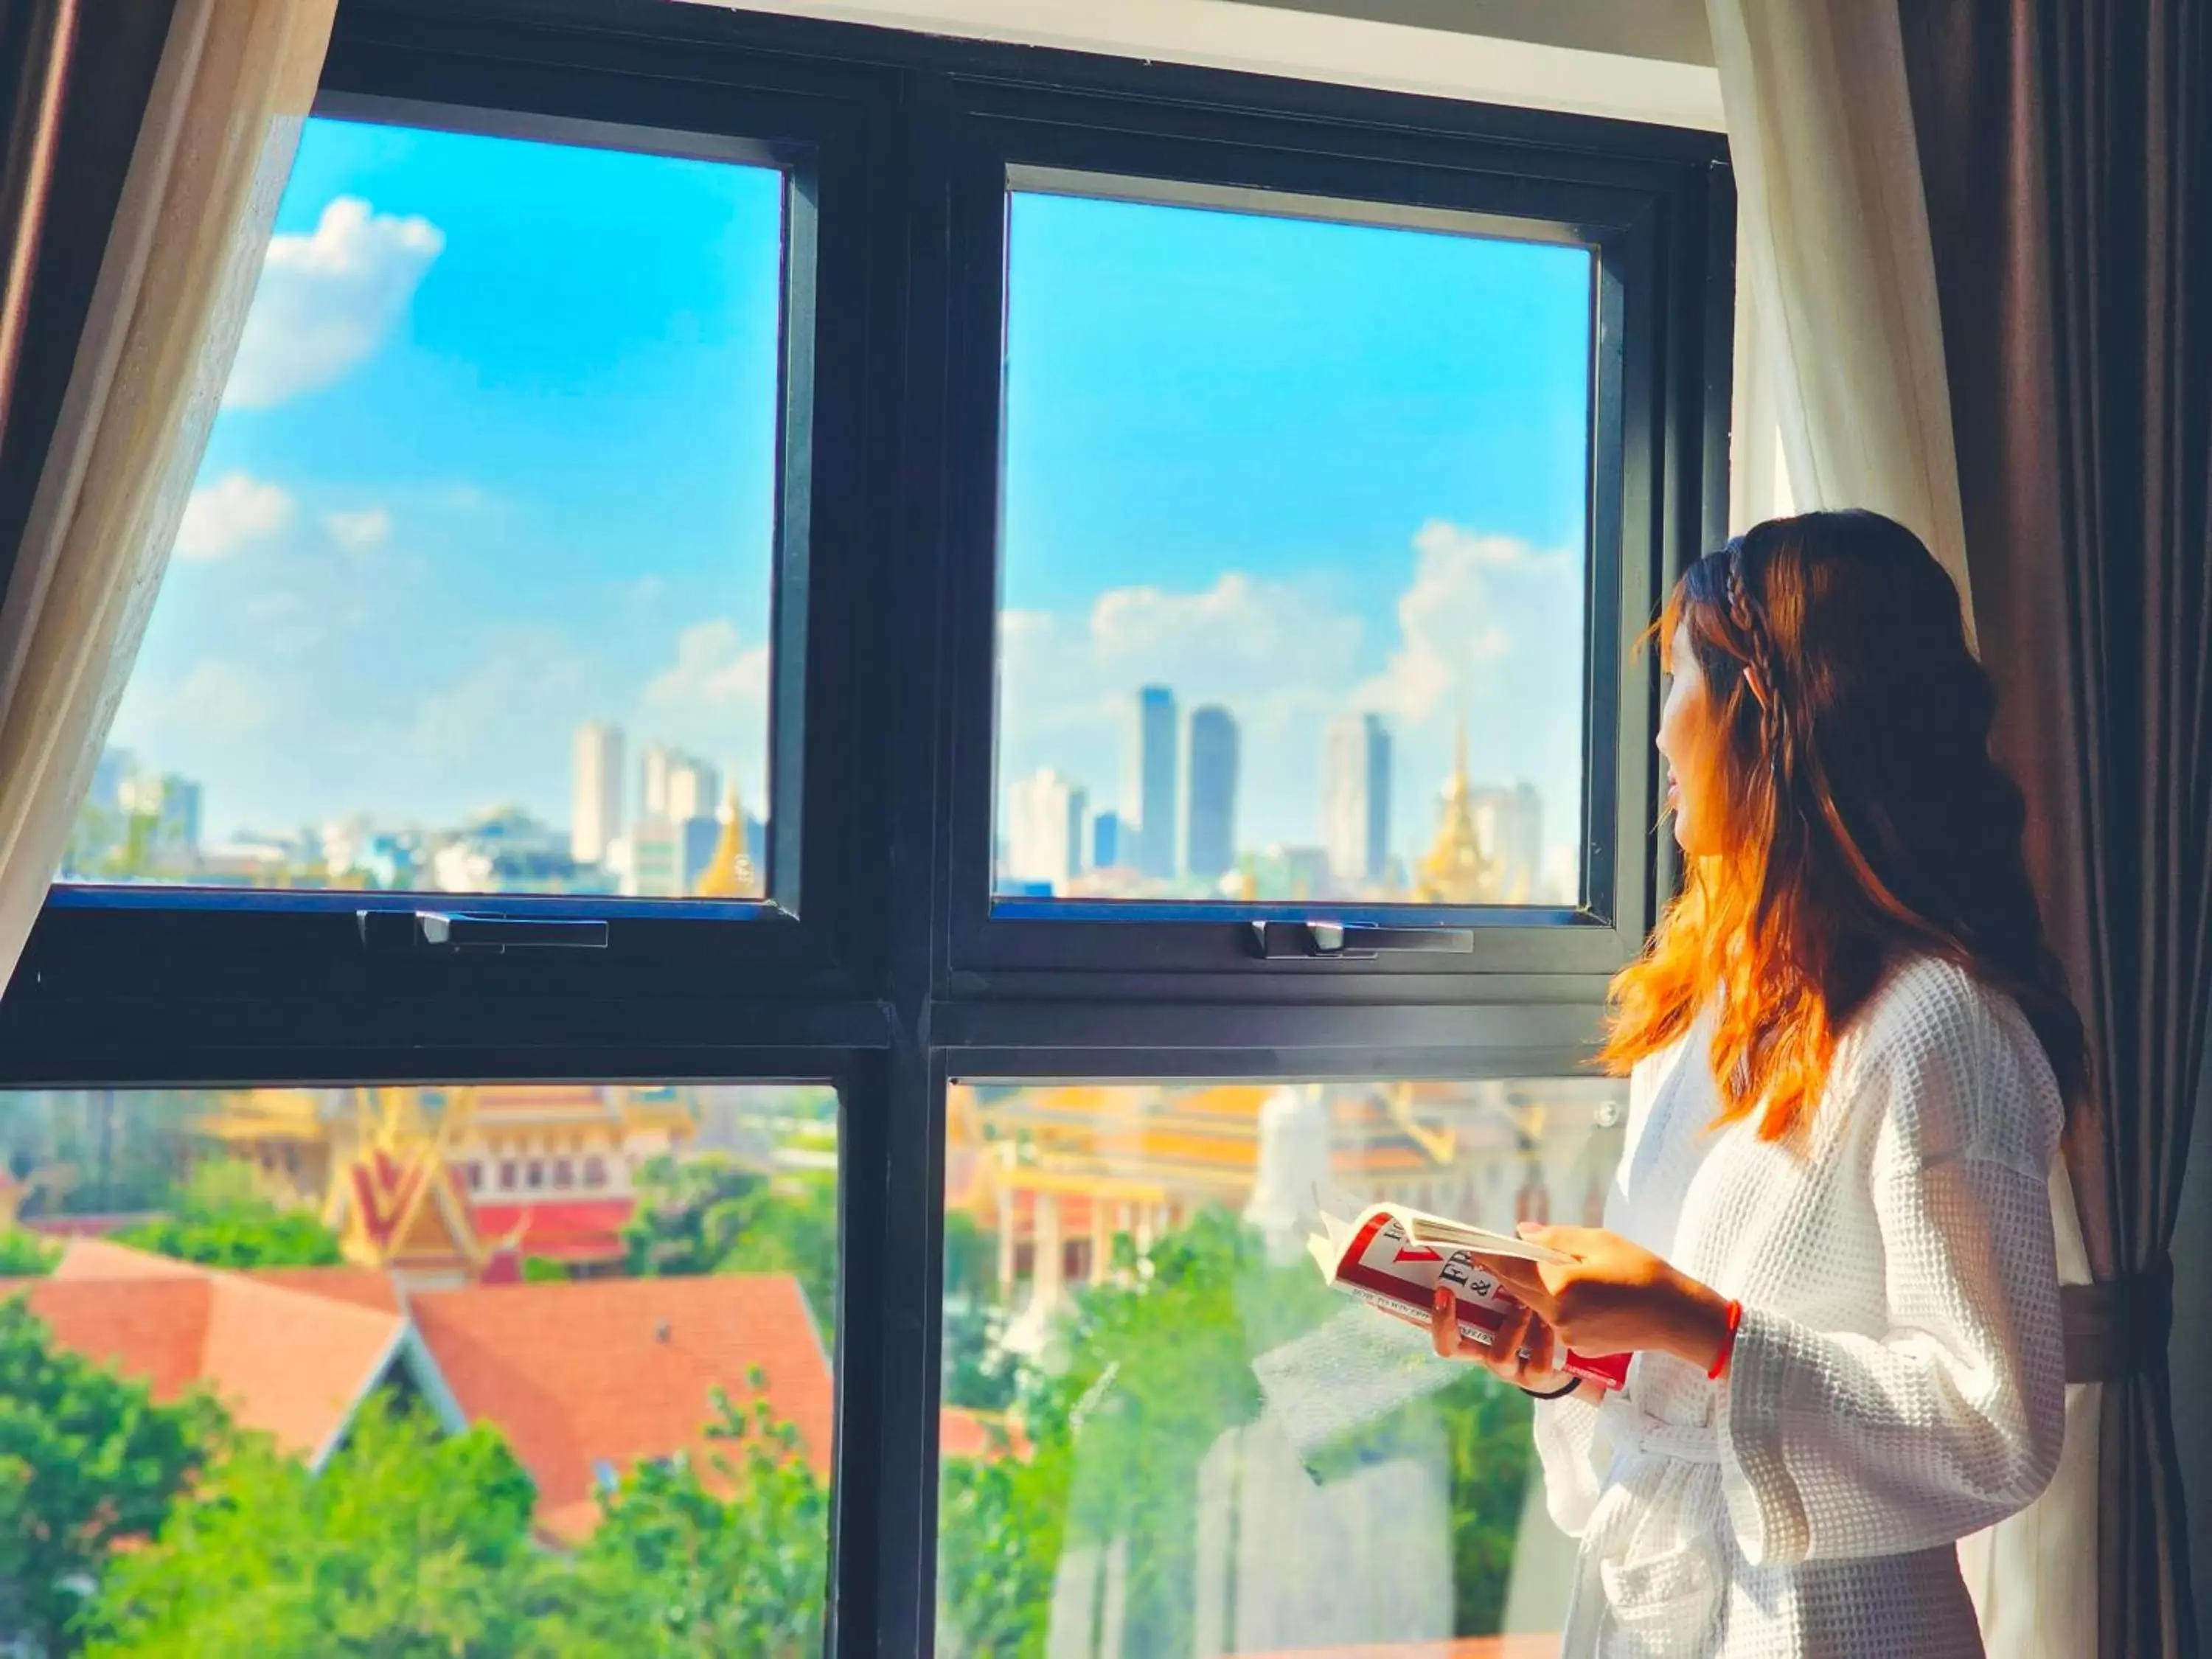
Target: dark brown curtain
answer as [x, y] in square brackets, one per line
[2066, 148]
[75, 76]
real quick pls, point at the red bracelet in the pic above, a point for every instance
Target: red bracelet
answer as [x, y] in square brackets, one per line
[1728, 1344]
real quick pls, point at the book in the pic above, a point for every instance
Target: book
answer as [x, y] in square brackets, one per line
[1393, 1257]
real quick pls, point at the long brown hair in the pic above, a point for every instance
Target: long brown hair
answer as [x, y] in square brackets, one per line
[1866, 819]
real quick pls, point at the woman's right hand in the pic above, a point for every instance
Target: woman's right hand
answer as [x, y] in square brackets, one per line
[1520, 1352]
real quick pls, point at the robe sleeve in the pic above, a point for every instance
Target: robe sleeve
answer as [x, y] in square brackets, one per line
[1841, 1444]
[1574, 1446]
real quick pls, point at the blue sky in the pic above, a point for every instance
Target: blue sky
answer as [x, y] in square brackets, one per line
[497, 458]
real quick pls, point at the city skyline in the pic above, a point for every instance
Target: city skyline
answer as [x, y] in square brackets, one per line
[1485, 841]
[411, 570]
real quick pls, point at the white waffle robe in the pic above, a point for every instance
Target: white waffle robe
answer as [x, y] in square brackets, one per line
[1897, 1382]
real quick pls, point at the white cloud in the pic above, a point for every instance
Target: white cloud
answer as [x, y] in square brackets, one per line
[326, 300]
[357, 530]
[223, 516]
[1487, 629]
[521, 693]
[714, 669]
[1488, 624]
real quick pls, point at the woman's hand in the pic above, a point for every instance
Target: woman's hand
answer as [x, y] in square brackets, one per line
[1614, 1296]
[1522, 1352]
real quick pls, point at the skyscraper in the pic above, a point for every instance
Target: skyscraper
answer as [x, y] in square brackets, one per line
[1355, 796]
[596, 812]
[1509, 818]
[655, 761]
[1044, 828]
[1209, 843]
[1148, 789]
[1106, 841]
[694, 788]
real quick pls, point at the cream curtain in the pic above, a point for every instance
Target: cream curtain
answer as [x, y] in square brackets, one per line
[1842, 399]
[1837, 276]
[235, 82]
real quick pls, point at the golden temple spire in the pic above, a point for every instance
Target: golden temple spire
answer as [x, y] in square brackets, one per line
[729, 873]
[1457, 869]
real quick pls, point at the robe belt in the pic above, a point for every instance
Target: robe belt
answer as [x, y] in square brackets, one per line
[2118, 1327]
[1686, 1442]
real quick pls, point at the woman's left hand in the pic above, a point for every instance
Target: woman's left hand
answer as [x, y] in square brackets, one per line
[1615, 1296]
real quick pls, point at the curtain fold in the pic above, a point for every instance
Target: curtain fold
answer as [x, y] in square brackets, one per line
[2066, 158]
[1834, 270]
[158, 274]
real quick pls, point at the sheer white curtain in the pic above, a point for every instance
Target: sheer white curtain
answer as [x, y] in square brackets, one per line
[1842, 401]
[235, 82]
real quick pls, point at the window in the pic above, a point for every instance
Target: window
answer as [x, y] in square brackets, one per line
[596, 1360]
[1316, 486]
[1213, 1452]
[970, 427]
[476, 580]
[1294, 527]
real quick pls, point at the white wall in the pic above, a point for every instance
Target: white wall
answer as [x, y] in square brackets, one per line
[1568, 59]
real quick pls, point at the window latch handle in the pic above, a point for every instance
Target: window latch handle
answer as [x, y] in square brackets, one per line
[452, 931]
[1355, 941]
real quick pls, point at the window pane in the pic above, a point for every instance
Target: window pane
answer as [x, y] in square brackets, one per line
[1292, 558]
[1138, 1348]
[399, 1389]
[472, 593]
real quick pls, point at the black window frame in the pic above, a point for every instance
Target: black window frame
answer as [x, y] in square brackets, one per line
[887, 978]
[1638, 472]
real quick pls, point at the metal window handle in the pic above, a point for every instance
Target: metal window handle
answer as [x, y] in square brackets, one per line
[445, 930]
[1355, 941]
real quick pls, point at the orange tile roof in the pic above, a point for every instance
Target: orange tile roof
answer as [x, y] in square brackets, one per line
[578, 1377]
[364, 1287]
[606, 1372]
[964, 1433]
[289, 1361]
[152, 1329]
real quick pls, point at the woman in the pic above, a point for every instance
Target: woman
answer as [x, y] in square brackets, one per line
[1829, 1243]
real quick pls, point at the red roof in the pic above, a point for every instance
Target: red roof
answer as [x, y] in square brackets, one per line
[293, 1361]
[567, 1230]
[580, 1377]
[607, 1372]
[964, 1433]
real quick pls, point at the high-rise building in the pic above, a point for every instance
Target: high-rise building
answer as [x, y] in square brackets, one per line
[1044, 828]
[172, 803]
[1209, 843]
[1509, 819]
[1105, 841]
[1355, 796]
[1148, 788]
[694, 790]
[668, 856]
[655, 802]
[596, 812]
[109, 773]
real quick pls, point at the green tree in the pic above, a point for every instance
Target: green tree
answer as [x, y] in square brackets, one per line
[710, 1214]
[407, 1545]
[698, 1563]
[1154, 1370]
[88, 1462]
[24, 1255]
[220, 1221]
